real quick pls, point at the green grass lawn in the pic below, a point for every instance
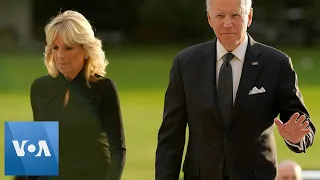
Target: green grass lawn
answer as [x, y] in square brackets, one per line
[141, 74]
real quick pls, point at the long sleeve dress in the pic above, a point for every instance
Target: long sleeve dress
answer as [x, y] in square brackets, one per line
[91, 135]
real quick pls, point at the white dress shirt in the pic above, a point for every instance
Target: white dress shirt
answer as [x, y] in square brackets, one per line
[237, 64]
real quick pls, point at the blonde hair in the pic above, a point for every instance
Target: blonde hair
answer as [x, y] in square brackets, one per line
[74, 28]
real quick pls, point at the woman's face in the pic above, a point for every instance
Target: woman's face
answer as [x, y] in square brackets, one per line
[69, 60]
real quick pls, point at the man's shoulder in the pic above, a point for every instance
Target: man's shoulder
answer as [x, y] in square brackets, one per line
[195, 50]
[271, 51]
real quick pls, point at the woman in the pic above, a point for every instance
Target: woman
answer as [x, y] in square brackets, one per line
[76, 93]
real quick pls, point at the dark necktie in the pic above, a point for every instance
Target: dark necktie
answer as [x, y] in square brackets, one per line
[225, 90]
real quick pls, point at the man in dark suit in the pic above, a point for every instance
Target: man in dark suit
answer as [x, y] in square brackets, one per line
[229, 92]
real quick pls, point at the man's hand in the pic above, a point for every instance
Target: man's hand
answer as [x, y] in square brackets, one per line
[295, 129]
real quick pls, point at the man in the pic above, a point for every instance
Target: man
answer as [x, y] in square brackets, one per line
[229, 92]
[289, 170]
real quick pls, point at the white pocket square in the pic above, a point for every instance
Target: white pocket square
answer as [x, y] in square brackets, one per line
[255, 90]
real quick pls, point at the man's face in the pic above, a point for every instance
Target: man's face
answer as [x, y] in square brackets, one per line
[229, 21]
[288, 173]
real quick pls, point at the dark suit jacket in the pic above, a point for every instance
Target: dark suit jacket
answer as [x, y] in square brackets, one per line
[248, 144]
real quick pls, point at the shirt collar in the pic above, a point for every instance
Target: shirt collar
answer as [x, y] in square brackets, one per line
[239, 52]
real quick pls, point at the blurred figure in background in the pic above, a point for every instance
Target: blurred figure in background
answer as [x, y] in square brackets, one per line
[289, 170]
[86, 104]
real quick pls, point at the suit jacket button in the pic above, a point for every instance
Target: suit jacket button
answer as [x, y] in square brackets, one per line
[220, 167]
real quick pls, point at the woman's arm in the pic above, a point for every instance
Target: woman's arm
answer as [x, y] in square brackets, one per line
[112, 124]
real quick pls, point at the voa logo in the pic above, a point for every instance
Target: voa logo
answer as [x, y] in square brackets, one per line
[31, 148]
[41, 148]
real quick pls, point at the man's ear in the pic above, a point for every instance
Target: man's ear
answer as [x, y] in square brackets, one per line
[209, 19]
[250, 15]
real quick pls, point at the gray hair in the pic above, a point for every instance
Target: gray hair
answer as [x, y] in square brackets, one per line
[244, 3]
[289, 163]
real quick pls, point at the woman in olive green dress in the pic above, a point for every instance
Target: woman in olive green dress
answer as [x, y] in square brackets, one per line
[78, 95]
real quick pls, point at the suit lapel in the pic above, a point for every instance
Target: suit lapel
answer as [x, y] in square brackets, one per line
[210, 60]
[250, 72]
